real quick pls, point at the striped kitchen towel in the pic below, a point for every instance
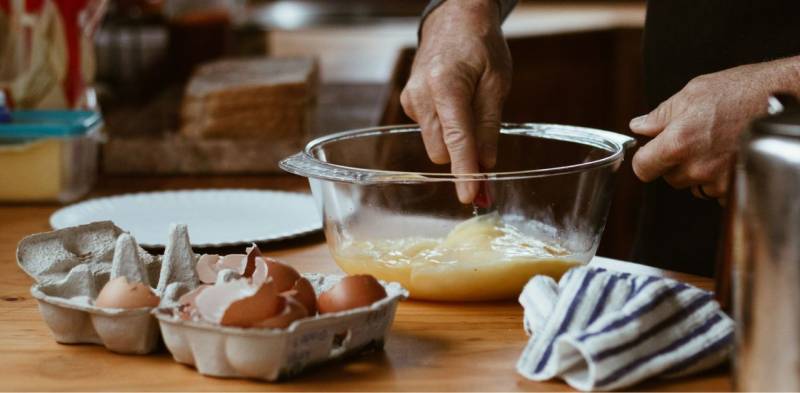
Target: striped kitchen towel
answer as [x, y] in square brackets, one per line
[602, 330]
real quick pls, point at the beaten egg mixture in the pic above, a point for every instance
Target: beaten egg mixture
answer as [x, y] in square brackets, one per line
[482, 258]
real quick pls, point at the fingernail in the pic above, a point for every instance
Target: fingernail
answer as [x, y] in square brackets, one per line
[466, 191]
[638, 122]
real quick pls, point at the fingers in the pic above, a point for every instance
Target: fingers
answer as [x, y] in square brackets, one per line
[678, 178]
[654, 122]
[703, 181]
[433, 140]
[488, 107]
[659, 155]
[717, 188]
[452, 94]
[419, 106]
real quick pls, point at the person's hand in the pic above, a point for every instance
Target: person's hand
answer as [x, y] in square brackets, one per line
[459, 80]
[696, 131]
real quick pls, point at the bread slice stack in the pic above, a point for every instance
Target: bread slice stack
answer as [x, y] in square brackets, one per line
[251, 98]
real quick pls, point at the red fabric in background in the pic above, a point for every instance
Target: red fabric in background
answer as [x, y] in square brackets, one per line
[70, 11]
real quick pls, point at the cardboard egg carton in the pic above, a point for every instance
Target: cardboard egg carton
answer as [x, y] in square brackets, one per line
[272, 354]
[71, 266]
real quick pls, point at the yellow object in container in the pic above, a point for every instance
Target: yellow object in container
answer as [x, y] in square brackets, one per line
[482, 258]
[48, 155]
[30, 171]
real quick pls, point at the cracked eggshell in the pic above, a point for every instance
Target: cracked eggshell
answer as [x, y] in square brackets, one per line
[207, 268]
[238, 302]
[187, 307]
[70, 267]
[282, 274]
[268, 353]
[235, 262]
[303, 292]
[291, 310]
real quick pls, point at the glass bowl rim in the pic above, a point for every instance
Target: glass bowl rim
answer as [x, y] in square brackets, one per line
[614, 143]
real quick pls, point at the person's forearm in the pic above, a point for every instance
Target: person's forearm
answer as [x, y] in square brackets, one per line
[505, 7]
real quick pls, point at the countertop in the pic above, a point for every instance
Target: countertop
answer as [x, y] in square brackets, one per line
[432, 346]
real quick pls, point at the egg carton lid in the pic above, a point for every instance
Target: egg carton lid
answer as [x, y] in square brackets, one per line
[73, 255]
[71, 266]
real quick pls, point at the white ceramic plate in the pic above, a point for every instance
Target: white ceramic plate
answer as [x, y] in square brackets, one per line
[215, 217]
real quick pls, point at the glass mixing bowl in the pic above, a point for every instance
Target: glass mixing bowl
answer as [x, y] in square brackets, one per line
[390, 212]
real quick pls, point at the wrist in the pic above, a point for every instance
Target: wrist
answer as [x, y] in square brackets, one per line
[485, 9]
[481, 15]
[788, 76]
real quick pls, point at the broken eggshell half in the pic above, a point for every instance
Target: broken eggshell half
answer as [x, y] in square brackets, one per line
[71, 266]
[252, 265]
[250, 269]
[238, 302]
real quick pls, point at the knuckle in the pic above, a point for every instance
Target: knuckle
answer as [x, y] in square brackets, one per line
[700, 173]
[439, 81]
[455, 139]
[489, 121]
[439, 73]
[639, 167]
[497, 85]
[405, 100]
[428, 131]
[663, 112]
[695, 176]
[676, 151]
[698, 85]
[451, 78]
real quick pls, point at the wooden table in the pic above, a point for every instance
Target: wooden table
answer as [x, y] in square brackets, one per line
[432, 346]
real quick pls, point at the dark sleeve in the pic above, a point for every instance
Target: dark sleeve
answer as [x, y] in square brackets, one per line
[505, 8]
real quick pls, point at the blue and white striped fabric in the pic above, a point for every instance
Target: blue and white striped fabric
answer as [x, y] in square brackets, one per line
[601, 330]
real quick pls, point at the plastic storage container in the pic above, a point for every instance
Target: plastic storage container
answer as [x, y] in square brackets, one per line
[48, 155]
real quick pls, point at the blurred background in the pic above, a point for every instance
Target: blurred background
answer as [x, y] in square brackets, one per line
[575, 62]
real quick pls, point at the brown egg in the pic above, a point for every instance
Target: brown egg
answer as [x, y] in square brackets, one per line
[351, 292]
[119, 293]
[292, 310]
[303, 292]
[238, 302]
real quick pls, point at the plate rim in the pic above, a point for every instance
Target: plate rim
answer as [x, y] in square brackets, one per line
[285, 236]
